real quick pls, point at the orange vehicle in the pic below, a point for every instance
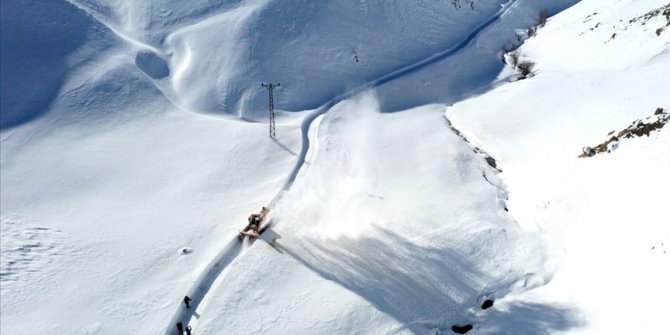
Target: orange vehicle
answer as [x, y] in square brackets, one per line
[254, 229]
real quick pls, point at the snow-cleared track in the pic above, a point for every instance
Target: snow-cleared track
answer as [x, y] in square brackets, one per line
[307, 122]
[205, 281]
[214, 269]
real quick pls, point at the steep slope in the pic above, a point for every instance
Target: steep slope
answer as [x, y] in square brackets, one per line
[598, 70]
[39, 47]
[317, 49]
[219, 55]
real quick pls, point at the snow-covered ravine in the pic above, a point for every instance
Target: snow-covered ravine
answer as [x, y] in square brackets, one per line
[145, 133]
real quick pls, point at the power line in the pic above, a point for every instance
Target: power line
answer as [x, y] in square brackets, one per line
[270, 88]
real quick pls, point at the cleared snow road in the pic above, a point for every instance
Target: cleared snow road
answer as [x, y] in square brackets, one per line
[234, 248]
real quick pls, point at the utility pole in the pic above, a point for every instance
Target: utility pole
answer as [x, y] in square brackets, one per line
[271, 87]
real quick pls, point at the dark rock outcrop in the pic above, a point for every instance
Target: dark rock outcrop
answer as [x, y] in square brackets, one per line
[488, 303]
[461, 329]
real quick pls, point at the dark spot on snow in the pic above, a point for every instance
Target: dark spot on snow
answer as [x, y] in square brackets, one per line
[612, 37]
[461, 329]
[643, 19]
[587, 152]
[642, 128]
[186, 251]
[488, 303]
[660, 248]
[151, 64]
[491, 162]
[658, 111]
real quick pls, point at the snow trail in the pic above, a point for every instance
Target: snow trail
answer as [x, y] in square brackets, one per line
[307, 122]
[204, 282]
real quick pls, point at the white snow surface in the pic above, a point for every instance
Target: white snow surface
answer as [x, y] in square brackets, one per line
[134, 129]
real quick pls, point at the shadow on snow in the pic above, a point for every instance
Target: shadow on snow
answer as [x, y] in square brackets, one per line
[426, 288]
[38, 39]
[204, 282]
[521, 318]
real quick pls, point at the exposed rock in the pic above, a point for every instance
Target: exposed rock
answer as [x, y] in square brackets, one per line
[636, 129]
[488, 303]
[587, 152]
[491, 162]
[640, 128]
[461, 329]
[152, 64]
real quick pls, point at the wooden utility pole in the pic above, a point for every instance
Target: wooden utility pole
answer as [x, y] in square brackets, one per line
[271, 87]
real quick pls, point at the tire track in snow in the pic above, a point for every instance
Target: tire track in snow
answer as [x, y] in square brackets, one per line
[213, 270]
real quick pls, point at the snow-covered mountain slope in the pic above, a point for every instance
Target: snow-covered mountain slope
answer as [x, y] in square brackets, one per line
[134, 131]
[600, 67]
[217, 55]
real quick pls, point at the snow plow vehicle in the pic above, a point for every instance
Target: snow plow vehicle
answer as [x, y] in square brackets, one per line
[257, 225]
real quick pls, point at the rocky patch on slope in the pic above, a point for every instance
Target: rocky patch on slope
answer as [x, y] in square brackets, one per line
[642, 20]
[638, 128]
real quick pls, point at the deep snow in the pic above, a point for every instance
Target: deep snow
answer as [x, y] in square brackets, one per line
[607, 214]
[131, 130]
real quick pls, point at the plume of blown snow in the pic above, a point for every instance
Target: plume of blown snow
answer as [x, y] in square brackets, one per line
[333, 197]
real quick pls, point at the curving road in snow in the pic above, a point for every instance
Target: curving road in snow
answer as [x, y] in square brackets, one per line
[234, 249]
[132, 128]
[306, 124]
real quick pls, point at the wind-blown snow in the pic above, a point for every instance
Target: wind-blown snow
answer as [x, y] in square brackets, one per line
[356, 216]
[134, 129]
